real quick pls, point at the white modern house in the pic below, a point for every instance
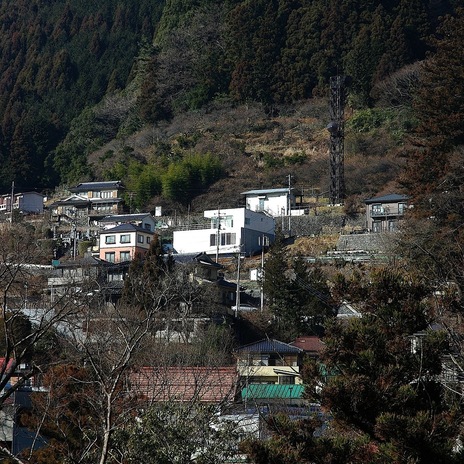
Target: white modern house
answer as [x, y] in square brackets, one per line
[231, 231]
[275, 202]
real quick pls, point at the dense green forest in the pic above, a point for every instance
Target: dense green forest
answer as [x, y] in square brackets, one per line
[75, 75]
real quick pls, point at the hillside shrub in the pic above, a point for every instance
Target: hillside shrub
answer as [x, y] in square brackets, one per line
[368, 119]
[190, 176]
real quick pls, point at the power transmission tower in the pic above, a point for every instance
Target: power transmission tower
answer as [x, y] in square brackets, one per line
[336, 128]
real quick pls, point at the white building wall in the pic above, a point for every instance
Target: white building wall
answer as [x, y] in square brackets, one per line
[193, 241]
[117, 243]
[238, 215]
[276, 205]
[239, 226]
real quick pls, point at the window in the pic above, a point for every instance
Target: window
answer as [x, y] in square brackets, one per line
[401, 208]
[115, 277]
[110, 257]
[102, 208]
[225, 239]
[224, 222]
[377, 226]
[110, 239]
[228, 239]
[148, 239]
[125, 238]
[107, 194]
[147, 226]
[377, 209]
[140, 238]
[96, 194]
[286, 380]
[124, 256]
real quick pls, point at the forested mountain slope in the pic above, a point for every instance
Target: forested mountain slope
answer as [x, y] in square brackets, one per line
[57, 58]
[75, 76]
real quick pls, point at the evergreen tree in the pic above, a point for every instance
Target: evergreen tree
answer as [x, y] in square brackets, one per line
[440, 101]
[298, 298]
[434, 173]
[148, 278]
[382, 394]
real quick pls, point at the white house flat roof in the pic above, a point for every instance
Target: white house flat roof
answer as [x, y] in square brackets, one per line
[265, 191]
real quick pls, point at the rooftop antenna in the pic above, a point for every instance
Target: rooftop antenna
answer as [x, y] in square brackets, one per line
[336, 128]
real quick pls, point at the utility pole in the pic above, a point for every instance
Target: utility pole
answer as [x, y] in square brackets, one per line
[218, 224]
[74, 239]
[237, 296]
[264, 242]
[12, 201]
[289, 204]
[25, 301]
[131, 195]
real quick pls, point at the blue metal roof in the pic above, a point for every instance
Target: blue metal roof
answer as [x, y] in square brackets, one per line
[269, 346]
[391, 198]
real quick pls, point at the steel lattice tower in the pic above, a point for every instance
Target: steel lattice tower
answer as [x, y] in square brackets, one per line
[338, 92]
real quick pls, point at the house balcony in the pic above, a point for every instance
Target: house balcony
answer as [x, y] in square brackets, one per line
[387, 212]
[268, 371]
[66, 281]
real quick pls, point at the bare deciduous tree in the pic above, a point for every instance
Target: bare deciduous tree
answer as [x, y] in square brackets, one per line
[397, 90]
[28, 317]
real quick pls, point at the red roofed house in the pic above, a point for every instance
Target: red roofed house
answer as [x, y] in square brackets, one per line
[206, 384]
[312, 345]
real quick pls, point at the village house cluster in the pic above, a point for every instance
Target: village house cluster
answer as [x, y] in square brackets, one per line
[267, 374]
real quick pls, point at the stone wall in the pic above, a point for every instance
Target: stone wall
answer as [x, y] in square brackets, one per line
[321, 224]
[366, 242]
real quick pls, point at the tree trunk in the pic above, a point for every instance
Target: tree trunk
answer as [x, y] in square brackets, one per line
[106, 431]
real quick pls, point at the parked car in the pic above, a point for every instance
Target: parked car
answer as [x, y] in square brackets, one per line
[244, 307]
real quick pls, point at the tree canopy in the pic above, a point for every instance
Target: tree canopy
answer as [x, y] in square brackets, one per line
[61, 60]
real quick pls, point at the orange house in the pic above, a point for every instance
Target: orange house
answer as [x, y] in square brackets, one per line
[123, 242]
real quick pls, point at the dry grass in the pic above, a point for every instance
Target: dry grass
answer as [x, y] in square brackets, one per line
[258, 151]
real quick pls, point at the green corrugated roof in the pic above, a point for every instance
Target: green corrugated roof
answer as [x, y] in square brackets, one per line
[272, 391]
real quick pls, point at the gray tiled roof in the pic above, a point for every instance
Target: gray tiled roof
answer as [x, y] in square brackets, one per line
[86, 186]
[124, 228]
[125, 217]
